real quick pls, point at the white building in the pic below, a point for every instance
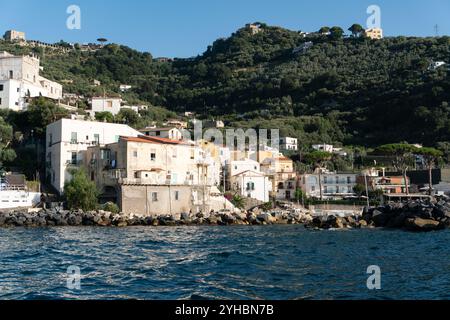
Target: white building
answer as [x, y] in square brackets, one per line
[20, 81]
[330, 149]
[236, 167]
[102, 104]
[67, 141]
[245, 176]
[288, 144]
[334, 185]
[124, 87]
[169, 133]
[252, 184]
[436, 65]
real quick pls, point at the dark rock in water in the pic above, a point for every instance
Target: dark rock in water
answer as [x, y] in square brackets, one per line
[380, 219]
[397, 221]
[419, 224]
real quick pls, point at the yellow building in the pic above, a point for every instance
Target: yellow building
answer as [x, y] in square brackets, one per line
[374, 33]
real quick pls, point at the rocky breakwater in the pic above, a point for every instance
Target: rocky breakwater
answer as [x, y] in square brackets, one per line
[336, 222]
[49, 218]
[411, 216]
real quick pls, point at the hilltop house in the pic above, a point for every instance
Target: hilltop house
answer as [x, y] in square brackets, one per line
[105, 104]
[20, 82]
[288, 144]
[13, 35]
[374, 33]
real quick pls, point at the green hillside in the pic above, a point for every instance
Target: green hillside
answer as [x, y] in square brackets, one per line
[353, 90]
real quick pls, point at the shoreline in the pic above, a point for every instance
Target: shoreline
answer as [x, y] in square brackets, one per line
[415, 216]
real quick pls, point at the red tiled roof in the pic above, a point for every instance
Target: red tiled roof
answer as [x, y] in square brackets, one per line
[156, 140]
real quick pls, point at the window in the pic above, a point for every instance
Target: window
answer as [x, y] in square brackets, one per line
[177, 195]
[313, 188]
[96, 139]
[87, 138]
[0, 100]
[325, 179]
[135, 154]
[158, 133]
[152, 155]
[1, 87]
[109, 104]
[74, 158]
[349, 179]
[116, 138]
[105, 154]
[18, 89]
[73, 137]
[11, 74]
[50, 140]
[154, 196]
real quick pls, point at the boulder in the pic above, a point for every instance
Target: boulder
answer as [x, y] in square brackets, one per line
[419, 224]
[266, 217]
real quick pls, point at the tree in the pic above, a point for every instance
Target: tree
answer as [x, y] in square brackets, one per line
[41, 112]
[324, 30]
[402, 154]
[104, 116]
[6, 136]
[359, 190]
[431, 157]
[318, 159]
[80, 192]
[238, 201]
[336, 33]
[356, 30]
[127, 116]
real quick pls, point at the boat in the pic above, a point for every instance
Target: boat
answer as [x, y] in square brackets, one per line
[14, 193]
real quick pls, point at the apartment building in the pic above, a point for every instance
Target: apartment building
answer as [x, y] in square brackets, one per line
[20, 82]
[153, 175]
[282, 175]
[67, 141]
[331, 186]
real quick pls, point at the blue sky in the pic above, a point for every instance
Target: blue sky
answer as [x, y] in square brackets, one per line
[184, 28]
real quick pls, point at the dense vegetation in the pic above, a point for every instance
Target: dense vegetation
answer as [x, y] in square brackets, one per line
[352, 91]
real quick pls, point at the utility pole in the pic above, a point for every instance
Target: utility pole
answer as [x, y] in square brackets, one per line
[436, 30]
